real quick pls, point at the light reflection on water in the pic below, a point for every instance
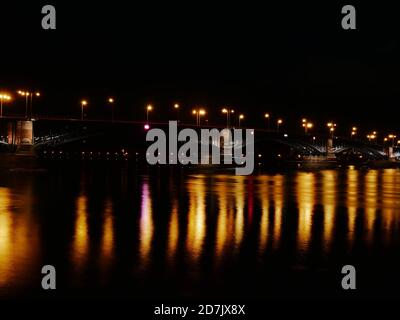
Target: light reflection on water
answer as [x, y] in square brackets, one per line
[352, 204]
[196, 225]
[20, 244]
[80, 242]
[199, 220]
[305, 189]
[146, 228]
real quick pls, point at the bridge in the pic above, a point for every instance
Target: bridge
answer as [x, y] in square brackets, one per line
[19, 134]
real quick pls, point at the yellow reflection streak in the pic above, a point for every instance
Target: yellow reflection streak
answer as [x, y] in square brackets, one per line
[222, 223]
[146, 224]
[371, 198]
[305, 199]
[264, 224]
[80, 243]
[173, 233]
[5, 236]
[107, 241]
[196, 219]
[328, 202]
[278, 181]
[352, 203]
[390, 201]
[239, 193]
[19, 240]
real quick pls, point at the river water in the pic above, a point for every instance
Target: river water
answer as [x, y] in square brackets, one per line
[168, 234]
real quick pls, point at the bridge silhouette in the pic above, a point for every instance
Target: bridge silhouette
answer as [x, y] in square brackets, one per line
[47, 132]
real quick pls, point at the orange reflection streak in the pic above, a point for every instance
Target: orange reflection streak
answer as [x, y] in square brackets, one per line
[107, 241]
[80, 244]
[305, 199]
[146, 224]
[222, 223]
[352, 202]
[225, 221]
[197, 218]
[239, 193]
[5, 237]
[390, 201]
[19, 241]
[371, 198]
[173, 233]
[264, 223]
[278, 181]
[328, 202]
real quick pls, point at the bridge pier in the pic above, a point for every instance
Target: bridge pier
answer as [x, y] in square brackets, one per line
[329, 149]
[390, 153]
[20, 136]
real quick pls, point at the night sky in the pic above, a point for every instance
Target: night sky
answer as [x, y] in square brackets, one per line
[291, 60]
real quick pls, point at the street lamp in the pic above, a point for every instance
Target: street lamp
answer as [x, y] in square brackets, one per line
[278, 124]
[372, 136]
[176, 107]
[198, 113]
[227, 112]
[353, 132]
[3, 97]
[241, 117]
[111, 102]
[306, 125]
[392, 136]
[224, 110]
[201, 113]
[266, 116]
[28, 94]
[83, 104]
[148, 109]
[36, 94]
[331, 126]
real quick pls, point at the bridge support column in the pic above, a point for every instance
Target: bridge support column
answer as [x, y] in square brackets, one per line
[390, 153]
[20, 136]
[20, 133]
[329, 149]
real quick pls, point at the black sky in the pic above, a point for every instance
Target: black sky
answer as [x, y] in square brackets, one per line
[291, 60]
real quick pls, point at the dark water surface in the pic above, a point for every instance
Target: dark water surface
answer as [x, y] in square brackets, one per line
[114, 232]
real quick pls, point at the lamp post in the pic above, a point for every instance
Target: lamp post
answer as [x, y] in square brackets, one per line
[28, 94]
[372, 136]
[3, 97]
[267, 117]
[83, 105]
[148, 109]
[176, 107]
[392, 137]
[241, 117]
[36, 94]
[306, 125]
[331, 127]
[228, 112]
[111, 102]
[278, 124]
[201, 113]
[198, 113]
[353, 132]
[227, 116]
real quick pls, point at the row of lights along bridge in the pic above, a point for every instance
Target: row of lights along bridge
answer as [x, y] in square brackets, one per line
[198, 113]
